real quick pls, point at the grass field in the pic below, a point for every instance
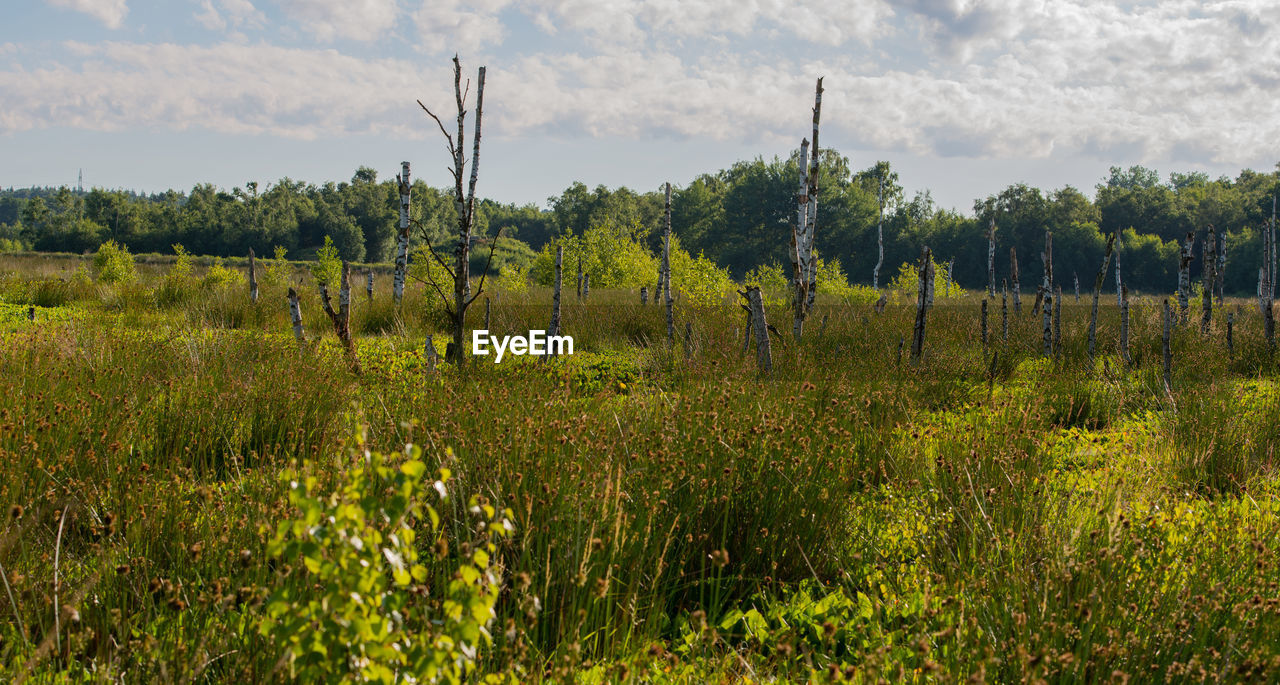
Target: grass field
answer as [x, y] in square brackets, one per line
[189, 496]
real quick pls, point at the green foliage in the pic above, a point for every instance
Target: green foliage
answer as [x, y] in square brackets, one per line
[176, 285]
[698, 279]
[612, 259]
[275, 271]
[327, 269]
[219, 276]
[773, 283]
[348, 607]
[513, 279]
[907, 282]
[113, 263]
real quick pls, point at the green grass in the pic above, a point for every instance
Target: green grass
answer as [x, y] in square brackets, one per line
[677, 518]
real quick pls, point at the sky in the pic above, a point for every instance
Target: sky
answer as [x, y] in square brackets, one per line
[962, 97]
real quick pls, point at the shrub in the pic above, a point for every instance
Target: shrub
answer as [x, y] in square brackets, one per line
[175, 287]
[613, 261]
[113, 263]
[348, 607]
[907, 282]
[275, 271]
[219, 276]
[698, 278]
[772, 281]
[328, 267]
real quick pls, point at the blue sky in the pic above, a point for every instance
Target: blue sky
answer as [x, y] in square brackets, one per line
[963, 97]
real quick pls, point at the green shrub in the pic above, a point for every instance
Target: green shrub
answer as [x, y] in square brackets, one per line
[113, 263]
[328, 267]
[219, 276]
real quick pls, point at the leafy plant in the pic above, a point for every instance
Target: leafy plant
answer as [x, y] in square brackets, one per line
[219, 276]
[113, 263]
[328, 267]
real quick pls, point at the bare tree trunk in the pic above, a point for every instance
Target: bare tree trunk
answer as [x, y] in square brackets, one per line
[342, 317]
[1013, 273]
[554, 328]
[1221, 271]
[991, 259]
[666, 269]
[1057, 320]
[1076, 278]
[875, 275]
[1124, 325]
[402, 237]
[985, 332]
[1184, 277]
[368, 288]
[1119, 286]
[253, 277]
[1004, 309]
[295, 315]
[644, 294]
[1231, 346]
[487, 311]
[429, 353]
[1208, 278]
[764, 356]
[1047, 287]
[804, 259]
[586, 286]
[1097, 291]
[922, 304]
[1166, 341]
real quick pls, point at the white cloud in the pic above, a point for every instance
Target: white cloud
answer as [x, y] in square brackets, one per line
[462, 26]
[364, 20]
[110, 12]
[234, 13]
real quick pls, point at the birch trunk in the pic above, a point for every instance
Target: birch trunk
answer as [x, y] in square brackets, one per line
[1076, 279]
[1208, 278]
[1013, 274]
[1097, 292]
[666, 269]
[1119, 286]
[368, 288]
[1057, 320]
[875, 274]
[1184, 277]
[295, 315]
[985, 332]
[1124, 325]
[1166, 343]
[341, 318]
[764, 357]
[586, 286]
[804, 262]
[554, 328]
[991, 259]
[1004, 310]
[644, 294]
[1221, 270]
[402, 237]
[922, 304]
[1047, 256]
[253, 277]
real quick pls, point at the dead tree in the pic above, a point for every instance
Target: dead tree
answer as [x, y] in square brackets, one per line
[1013, 274]
[666, 269]
[1221, 270]
[764, 356]
[253, 277]
[875, 274]
[1208, 278]
[1167, 343]
[342, 317]
[1097, 292]
[1184, 277]
[402, 238]
[1119, 285]
[991, 259]
[644, 294]
[804, 265]
[464, 202]
[368, 288]
[1076, 278]
[1124, 325]
[295, 315]
[1004, 309]
[1047, 256]
[985, 331]
[586, 285]
[922, 304]
[554, 328]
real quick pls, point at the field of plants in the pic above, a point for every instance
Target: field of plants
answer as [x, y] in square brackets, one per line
[190, 495]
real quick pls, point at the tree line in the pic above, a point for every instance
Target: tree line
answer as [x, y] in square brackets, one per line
[738, 218]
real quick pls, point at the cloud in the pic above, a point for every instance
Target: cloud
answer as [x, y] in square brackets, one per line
[463, 26]
[327, 20]
[234, 13]
[110, 12]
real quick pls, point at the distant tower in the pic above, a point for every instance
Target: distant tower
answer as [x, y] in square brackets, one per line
[80, 182]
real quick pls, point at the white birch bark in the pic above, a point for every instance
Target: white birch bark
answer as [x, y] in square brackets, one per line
[586, 285]
[764, 356]
[991, 259]
[1076, 278]
[1047, 287]
[402, 237]
[644, 294]
[295, 316]
[666, 268]
[875, 274]
[368, 288]
[1184, 277]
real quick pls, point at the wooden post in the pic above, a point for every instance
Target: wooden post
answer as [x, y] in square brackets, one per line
[1168, 347]
[368, 287]
[1184, 277]
[1207, 279]
[253, 277]
[1047, 256]
[644, 294]
[764, 357]
[295, 315]
[402, 235]
[922, 304]
[666, 270]
[1097, 292]
[1124, 325]
[554, 328]
[1013, 274]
